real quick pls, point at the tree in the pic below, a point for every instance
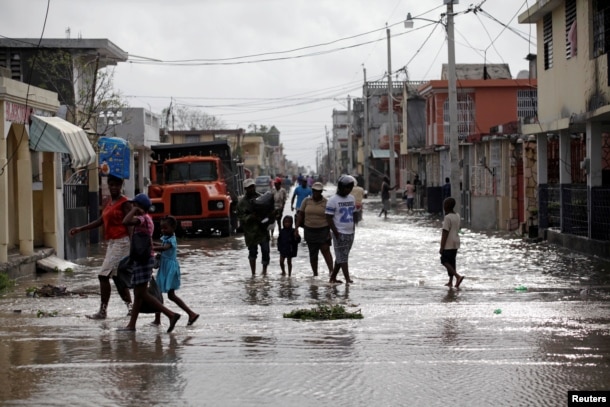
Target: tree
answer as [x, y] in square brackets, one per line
[82, 87]
[186, 118]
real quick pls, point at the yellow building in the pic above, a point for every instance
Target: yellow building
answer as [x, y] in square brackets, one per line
[572, 126]
[31, 195]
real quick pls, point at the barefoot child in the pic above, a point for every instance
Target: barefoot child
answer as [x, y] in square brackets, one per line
[287, 244]
[450, 242]
[168, 275]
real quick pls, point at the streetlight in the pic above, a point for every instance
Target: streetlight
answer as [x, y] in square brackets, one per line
[391, 122]
[452, 91]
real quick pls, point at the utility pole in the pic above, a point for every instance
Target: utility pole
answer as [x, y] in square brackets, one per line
[328, 168]
[453, 111]
[350, 149]
[391, 122]
[365, 134]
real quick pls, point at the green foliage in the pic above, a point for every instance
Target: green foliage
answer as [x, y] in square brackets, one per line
[5, 282]
[324, 312]
[44, 314]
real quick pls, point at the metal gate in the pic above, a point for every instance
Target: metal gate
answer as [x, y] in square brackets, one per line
[76, 198]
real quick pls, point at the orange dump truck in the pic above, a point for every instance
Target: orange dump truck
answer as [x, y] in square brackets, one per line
[197, 183]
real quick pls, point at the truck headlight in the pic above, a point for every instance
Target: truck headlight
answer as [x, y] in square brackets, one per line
[220, 205]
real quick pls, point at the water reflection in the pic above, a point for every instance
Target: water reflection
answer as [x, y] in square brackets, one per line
[416, 336]
[258, 290]
[287, 288]
[143, 368]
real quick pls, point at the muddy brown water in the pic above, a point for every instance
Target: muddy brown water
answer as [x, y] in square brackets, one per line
[419, 343]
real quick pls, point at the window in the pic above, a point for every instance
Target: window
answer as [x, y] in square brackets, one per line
[191, 138]
[547, 23]
[601, 27]
[527, 103]
[571, 43]
[465, 108]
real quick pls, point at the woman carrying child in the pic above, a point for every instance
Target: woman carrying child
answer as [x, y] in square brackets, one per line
[142, 223]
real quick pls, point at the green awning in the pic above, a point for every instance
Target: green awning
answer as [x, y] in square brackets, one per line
[381, 153]
[54, 134]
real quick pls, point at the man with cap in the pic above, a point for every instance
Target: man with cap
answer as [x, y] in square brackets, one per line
[279, 199]
[255, 231]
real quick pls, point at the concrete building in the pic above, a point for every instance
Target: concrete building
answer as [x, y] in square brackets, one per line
[487, 96]
[141, 128]
[573, 40]
[31, 183]
[71, 67]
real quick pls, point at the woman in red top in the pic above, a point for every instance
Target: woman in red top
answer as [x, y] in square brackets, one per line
[117, 236]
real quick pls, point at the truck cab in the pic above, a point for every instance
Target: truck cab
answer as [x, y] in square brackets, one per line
[197, 183]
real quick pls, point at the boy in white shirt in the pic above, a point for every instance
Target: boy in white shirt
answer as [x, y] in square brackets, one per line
[450, 242]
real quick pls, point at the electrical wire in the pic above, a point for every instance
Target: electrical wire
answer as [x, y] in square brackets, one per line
[29, 81]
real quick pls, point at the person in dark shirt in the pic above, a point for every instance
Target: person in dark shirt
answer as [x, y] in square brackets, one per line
[385, 196]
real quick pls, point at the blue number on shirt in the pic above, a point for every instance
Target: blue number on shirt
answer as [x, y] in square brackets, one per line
[347, 214]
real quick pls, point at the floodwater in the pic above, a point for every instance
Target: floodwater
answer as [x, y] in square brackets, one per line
[419, 344]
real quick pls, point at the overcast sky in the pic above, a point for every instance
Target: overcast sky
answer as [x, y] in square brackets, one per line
[287, 63]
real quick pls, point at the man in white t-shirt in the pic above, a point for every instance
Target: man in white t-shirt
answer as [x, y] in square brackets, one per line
[340, 216]
[450, 242]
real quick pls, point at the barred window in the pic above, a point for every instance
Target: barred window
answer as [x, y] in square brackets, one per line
[465, 110]
[547, 22]
[571, 46]
[527, 103]
[601, 27]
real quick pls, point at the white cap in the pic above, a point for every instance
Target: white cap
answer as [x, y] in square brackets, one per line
[248, 182]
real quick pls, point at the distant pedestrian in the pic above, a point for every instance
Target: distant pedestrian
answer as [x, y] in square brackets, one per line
[279, 200]
[450, 242]
[385, 196]
[310, 181]
[287, 244]
[447, 189]
[409, 196]
[358, 194]
[340, 217]
[301, 192]
[312, 217]
[168, 275]
[418, 190]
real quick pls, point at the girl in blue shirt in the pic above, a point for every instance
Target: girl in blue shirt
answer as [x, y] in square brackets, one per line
[168, 275]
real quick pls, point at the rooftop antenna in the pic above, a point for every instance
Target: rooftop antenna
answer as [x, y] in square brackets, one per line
[68, 32]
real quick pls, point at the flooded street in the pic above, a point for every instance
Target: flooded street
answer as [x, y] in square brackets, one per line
[530, 323]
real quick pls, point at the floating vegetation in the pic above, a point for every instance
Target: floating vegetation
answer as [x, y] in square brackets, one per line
[324, 312]
[44, 314]
[47, 290]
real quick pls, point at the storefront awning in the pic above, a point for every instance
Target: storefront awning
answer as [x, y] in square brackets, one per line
[381, 153]
[56, 135]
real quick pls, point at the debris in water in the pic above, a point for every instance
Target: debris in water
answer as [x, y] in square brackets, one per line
[324, 312]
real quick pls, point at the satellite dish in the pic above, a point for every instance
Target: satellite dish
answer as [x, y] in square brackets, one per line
[524, 74]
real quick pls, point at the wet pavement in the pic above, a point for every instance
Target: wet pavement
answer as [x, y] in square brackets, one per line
[530, 322]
